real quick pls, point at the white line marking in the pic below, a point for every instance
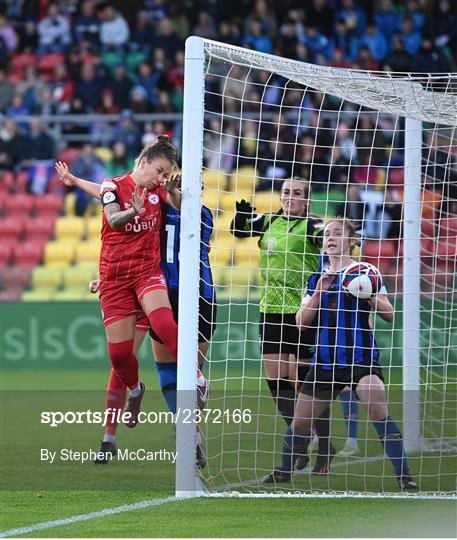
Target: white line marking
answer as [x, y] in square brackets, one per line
[147, 503]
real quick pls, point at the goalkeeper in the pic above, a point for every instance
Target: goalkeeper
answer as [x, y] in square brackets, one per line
[290, 241]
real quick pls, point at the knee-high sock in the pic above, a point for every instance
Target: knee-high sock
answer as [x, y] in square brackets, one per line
[124, 362]
[167, 379]
[164, 325]
[114, 399]
[293, 447]
[350, 405]
[283, 393]
[323, 432]
[392, 441]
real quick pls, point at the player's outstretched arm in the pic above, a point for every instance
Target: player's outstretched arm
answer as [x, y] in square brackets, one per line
[118, 218]
[69, 179]
[246, 222]
[382, 306]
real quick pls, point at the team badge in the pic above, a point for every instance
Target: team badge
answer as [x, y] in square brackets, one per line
[153, 198]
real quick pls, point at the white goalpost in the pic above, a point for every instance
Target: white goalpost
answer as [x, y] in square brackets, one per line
[380, 148]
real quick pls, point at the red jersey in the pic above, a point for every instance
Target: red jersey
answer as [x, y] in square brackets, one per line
[133, 250]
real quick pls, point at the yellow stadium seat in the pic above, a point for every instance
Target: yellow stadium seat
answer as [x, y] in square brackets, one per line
[267, 203]
[88, 252]
[94, 227]
[218, 275]
[70, 229]
[68, 295]
[247, 252]
[221, 253]
[105, 154]
[241, 277]
[42, 295]
[222, 223]
[46, 278]
[89, 297]
[227, 202]
[59, 253]
[212, 199]
[216, 180]
[243, 181]
[70, 202]
[78, 277]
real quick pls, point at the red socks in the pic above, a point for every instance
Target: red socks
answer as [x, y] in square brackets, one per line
[115, 399]
[163, 324]
[124, 362]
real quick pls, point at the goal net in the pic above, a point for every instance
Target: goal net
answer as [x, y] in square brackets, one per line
[379, 148]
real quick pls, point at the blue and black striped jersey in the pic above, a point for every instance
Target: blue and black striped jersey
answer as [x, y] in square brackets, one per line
[344, 335]
[170, 250]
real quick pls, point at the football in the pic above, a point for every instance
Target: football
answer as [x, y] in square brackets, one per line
[361, 280]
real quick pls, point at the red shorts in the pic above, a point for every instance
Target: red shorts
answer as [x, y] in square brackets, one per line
[142, 323]
[121, 299]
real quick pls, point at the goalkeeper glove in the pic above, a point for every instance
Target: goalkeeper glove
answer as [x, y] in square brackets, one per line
[244, 211]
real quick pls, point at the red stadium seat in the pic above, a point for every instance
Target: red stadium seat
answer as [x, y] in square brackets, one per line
[395, 176]
[447, 250]
[7, 181]
[19, 205]
[20, 61]
[68, 155]
[12, 295]
[11, 228]
[428, 227]
[6, 251]
[28, 254]
[448, 228]
[49, 205]
[14, 277]
[22, 182]
[40, 229]
[48, 62]
[379, 252]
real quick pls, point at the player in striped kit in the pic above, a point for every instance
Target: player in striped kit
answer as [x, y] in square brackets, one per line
[346, 355]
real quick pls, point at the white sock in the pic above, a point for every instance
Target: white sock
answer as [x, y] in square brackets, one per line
[109, 438]
[135, 392]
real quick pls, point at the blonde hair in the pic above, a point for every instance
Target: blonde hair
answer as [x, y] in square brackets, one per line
[160, 149]
[349, 227]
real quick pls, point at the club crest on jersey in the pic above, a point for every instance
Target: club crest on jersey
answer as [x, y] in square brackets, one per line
[153, 198]
[271, 244]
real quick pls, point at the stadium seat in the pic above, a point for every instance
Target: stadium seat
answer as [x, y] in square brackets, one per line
[48, 62]
[58, 253]
[12, 228]
[6, 251]
[379, 252]
[105, 154]
[14, 277]
[68, 295]
[45, 277]
[39, 229]
[222, 224]
[28, 254]
[77, 277]
[70, 229]
[431, 200]
[93, 228]
[19, 206]
[448, 228]
[42, 295]
[68, 155]
[428, 227]
[241, 277]
[267, 202]
[243, 180]
[7, 181]
[11, 295]
[395, 176]
[49, 205]
[214, 180]
[69, 204]
[88, 252]
[212, 199]
[222, 248]
[20, 61]
[21, 182]
[247, 252]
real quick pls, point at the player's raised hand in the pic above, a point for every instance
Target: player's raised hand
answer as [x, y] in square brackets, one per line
[137, 199]
[325, 282]
[172, 183]
[244, 207]
[64, 173]
[94, 286]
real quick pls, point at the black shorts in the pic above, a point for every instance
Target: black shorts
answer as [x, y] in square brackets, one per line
[279, 334]
[206, 318]
[326, 384]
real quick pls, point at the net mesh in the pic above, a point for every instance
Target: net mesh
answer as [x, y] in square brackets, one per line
[268, 119]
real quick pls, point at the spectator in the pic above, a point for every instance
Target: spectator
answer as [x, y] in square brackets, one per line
[353, 16]
[257, 39]
[6, 91]
[121, 85]
[30, 87]
[120, 162]
[302, 53]
[345, 141]
[8, 34]
[138, 100]
[317, 43]
[54, 34]
[320, 15]
[181, 24]
[142, 32]
[229, 33]
[375, 41]
[18, 108]
[164, 105]
[28, 37]
[398, 60]
[87, 25]
[410, 36]
[414, 11]
[443, 26]
[9, 144]
[264, 15]
[288, 38]
[387, 19]
[167, 39]
[365, 61]
[430, 59]
[344, 41]
[353, 207]
[114, 30]
[393, 216]
[128, 133]
[338, 60]
[366, 172]
[89, 87]
[156, 9]
[205, 26]
[62, 88]
[45, 104]
[338, 168]
[150, 81]
[175, 79]
[108, 106]
[369, 139]
[87, 165]
[36, 145]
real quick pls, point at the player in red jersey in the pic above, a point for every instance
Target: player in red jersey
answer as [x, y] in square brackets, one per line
[130, 274]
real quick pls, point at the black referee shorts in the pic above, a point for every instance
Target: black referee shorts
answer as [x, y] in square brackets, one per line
[279, 334]
[326, 384]
[206, 318]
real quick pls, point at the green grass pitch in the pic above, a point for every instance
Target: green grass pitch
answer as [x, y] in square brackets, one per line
[34, 492]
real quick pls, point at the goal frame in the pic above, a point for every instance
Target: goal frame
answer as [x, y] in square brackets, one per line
[187, 481]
